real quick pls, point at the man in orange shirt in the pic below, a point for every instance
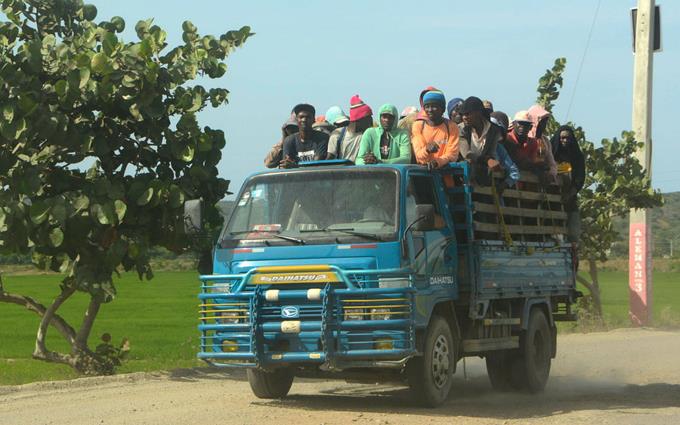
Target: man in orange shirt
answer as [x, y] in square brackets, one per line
[434, 138]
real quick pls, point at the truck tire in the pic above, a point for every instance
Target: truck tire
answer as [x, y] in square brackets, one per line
[531, 368]
[430, 376]
[499, 368]
[270, 384]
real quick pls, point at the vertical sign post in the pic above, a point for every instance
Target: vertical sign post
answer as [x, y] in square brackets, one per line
[640, 236]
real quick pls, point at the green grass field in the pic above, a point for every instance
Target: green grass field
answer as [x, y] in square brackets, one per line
[160, 318]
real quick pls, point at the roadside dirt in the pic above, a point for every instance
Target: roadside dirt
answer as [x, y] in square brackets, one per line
[618, 377]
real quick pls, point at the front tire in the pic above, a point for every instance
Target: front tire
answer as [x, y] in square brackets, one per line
[270, 384]
[430, 376]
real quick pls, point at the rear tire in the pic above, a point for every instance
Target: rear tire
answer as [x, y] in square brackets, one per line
[430, 376]
[531, 368]
[499, 368]
[270, 384]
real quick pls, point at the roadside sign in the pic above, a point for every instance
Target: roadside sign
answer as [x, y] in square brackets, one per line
[657, 27]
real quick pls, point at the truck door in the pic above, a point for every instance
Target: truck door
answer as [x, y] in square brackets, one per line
[433, 251]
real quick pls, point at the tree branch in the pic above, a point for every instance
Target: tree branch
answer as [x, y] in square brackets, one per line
[40, 348]
[32, 305]
[585, 283]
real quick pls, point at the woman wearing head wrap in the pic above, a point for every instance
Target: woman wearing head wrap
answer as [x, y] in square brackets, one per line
[434, 138]
[571, 175]
[385, 143]
[539, 118]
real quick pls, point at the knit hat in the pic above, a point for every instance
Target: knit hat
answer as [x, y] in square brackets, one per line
[304, 107]
[434, 96]
[471, 104]
[407, 111]
[336, 116]
[522, 116]
[453, 103]
[358, 109]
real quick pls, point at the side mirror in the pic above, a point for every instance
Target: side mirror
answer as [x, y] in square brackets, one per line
[192, 216]
[425, 220]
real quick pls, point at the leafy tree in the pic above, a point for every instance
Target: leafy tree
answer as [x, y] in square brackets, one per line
[615, 183]
[99, 148]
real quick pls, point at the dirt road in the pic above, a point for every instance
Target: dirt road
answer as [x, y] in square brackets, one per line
[620, 377]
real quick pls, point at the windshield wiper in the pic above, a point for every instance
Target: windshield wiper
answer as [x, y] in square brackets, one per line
[347, 230]
[271, 234]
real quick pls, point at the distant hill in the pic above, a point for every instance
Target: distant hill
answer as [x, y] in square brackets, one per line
[665, 229]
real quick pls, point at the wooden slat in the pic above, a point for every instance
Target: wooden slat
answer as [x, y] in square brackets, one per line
[521, 230]
[522, 212]
[520, 194]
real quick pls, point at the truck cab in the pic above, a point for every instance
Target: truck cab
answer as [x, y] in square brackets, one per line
[367, 272]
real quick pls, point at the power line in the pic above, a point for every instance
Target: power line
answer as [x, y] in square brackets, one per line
[583, 58]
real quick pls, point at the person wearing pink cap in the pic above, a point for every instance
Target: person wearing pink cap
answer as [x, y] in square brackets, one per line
[344, 142]
[539, 117]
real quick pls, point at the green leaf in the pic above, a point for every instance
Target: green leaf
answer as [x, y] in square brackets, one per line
[8, 113]
[187, 154]
[103, 214]
[60, 88]
[145, 197]
[100, 63]
[80, 203]
[84, 77]
[89, 12]
[56, 237]
[187, 26]
[121, 208]
[118, 23]
[39, 211]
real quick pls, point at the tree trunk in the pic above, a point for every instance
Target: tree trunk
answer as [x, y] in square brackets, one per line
[594, 288]
[88, 321]
[41, 352]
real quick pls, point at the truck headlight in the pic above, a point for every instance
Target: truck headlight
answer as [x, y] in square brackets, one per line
[380, 314]
[355, 314]
[393, 282]
[221, 288]
[232, 317]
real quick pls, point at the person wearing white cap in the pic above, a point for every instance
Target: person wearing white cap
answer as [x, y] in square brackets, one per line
[527, 153]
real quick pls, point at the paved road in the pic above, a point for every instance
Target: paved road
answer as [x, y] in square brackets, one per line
[619, 377]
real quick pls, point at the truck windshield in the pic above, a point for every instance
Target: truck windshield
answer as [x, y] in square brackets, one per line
[314, 207]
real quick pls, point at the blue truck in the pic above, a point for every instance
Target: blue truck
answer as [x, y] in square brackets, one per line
[387, 273]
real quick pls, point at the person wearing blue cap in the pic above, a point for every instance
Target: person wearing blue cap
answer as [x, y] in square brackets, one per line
[452, 110]
[434, 138]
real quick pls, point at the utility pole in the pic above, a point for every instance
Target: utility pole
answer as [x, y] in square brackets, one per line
[640, 234]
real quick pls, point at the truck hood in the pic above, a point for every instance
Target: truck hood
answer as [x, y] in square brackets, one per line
[361, 256]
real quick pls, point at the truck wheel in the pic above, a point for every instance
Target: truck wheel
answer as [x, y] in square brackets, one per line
[531, 368]
[499, 367]
[431, 375]
[270, 384]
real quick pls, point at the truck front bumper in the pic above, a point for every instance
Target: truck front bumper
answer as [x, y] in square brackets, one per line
[337, 325]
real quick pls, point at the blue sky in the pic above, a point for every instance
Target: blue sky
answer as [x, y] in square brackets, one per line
[388, 51]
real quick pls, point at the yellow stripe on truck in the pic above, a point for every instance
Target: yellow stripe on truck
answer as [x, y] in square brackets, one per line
[289, 269]
[294, 278]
